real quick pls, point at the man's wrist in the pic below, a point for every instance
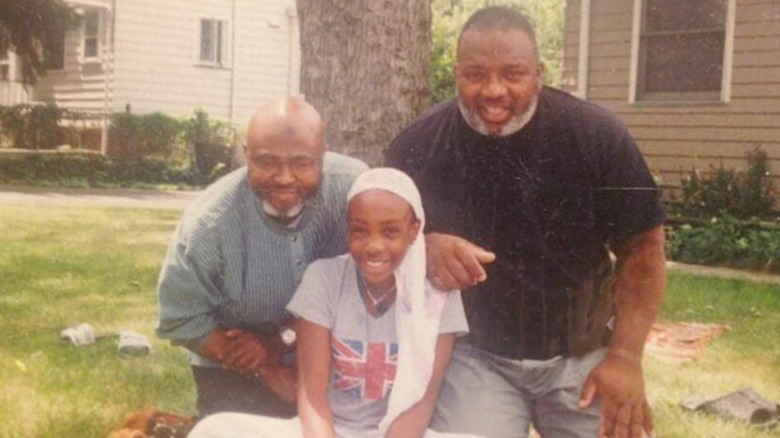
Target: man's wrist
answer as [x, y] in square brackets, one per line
[635, 357]
[195, 345]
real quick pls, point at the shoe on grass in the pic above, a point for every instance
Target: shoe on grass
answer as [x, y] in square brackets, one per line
[744, 405]
[79, 335]
[132, 343]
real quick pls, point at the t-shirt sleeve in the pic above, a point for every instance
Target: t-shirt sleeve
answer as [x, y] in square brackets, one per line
[453, 317]
[312, 300]
[415, 151]
[628, 200]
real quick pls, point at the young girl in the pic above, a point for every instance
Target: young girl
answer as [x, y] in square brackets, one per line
[374, 337]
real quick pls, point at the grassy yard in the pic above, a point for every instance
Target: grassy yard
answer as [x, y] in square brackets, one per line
[60, 266]
[746, 356]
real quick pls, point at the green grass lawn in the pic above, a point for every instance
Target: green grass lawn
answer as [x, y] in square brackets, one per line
[60, 266]
[746, 356]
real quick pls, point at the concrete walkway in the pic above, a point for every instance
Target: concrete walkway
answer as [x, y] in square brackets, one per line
[178, 200]
[163, 199]
[727, 273]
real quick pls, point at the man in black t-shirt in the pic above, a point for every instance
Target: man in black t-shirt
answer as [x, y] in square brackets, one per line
[529, 194]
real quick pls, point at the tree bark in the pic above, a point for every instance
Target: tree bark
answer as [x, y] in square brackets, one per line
[365, 66]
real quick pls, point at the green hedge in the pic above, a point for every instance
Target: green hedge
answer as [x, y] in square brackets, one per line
[727, 241]
[139, 141]
[30, 126]
[726, 192]
[727, 218]
[93, 170]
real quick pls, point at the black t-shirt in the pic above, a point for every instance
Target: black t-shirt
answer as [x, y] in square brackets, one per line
[547, 200]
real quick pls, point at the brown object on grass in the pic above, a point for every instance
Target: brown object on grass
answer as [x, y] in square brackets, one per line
[154, 423]
[682, 341]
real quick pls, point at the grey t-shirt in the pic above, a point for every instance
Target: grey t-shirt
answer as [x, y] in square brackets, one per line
[364, 349]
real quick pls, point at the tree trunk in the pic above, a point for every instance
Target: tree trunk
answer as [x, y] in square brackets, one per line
[365, 66]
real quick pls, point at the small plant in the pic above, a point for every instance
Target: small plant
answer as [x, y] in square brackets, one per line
[90, 170]
[30, 126]
[757, 193]
[743, 195]
[726, 241]
[133, 137]
[211, 142]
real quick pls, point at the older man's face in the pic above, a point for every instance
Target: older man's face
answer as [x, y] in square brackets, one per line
[285, 164]
[498, 76]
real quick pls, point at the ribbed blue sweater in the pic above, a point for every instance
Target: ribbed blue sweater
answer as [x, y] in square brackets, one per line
[229, 265]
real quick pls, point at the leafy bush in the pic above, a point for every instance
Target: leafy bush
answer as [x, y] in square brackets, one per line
[211, 142]
[726, 219]
[90, 170]
[743, 195]
[726, 241]
[31, 126]
[133, 136]
[141, 149]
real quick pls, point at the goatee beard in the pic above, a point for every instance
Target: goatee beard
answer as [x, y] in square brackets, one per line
[514, 124]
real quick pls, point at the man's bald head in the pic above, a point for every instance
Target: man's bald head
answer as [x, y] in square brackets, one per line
[290, 118]
[285, 147]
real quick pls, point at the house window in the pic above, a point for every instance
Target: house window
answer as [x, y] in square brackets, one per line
[91, 34]
[681, 50]
[5, 67]
[212, 41]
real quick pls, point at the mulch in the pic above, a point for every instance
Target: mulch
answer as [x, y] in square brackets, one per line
[682, 341]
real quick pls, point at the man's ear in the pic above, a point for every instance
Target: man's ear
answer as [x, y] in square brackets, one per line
[540, 69]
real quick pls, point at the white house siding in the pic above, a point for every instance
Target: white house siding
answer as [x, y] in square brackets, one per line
[267, 56]
[678, 138]
[12, 90]
[78, 86]
[12, 93]
[155, 65]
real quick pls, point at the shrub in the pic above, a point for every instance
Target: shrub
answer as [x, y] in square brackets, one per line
[726, 241]
[31, 126]
[743, 195]
[211, 142]
[133, 137]
[757, 195]
[726, 219]
[141, 149]
[89, 170]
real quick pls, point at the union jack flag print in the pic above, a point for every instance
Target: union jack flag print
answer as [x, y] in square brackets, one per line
[366, 370]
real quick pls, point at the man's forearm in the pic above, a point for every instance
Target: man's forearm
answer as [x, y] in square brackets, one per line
[640, 287]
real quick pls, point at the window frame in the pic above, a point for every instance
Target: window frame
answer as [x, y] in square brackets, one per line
[98, 36]
[220, 51]
[7, 65]
[682, 97]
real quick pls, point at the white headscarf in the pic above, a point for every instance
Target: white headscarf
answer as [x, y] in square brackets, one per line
[416, 314]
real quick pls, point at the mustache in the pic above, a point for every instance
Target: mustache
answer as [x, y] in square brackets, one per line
[289, 187]
[495, 102]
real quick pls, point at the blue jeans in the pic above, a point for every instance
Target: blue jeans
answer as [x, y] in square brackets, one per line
[496, 397]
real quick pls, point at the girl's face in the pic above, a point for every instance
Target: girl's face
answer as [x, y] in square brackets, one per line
[380, 228]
